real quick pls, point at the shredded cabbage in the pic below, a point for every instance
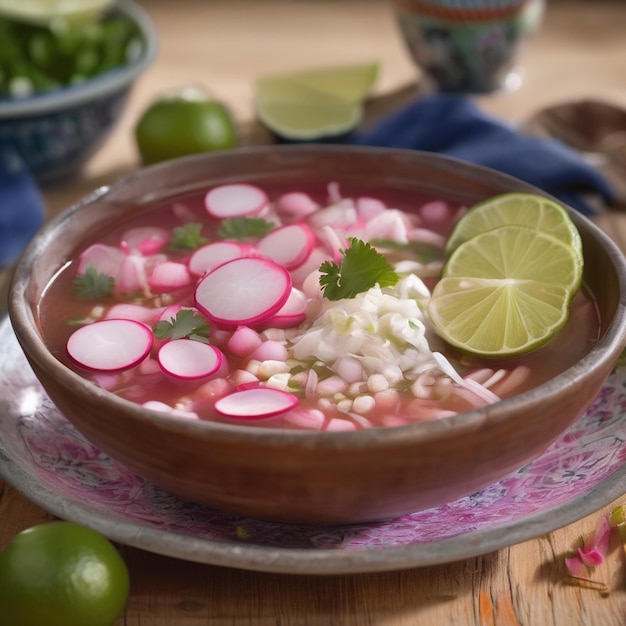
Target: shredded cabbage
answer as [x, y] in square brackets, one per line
[383, 330]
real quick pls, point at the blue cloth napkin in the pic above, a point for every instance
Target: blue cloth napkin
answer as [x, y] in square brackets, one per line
[455, 126]
[21, 209]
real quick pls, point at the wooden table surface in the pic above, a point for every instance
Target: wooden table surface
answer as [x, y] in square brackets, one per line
[579, 53]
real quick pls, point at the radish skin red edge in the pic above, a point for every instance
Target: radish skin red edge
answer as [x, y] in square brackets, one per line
[245, 291]
[236, 200]
[188, 359]
[110, 345]
[291, 314]
[255, 403]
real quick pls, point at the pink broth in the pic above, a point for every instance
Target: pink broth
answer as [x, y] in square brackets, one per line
[252, 344]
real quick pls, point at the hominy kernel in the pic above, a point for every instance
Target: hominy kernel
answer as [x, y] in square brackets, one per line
[363, 404]
[269, 368]
[344, 406]
[377, 382]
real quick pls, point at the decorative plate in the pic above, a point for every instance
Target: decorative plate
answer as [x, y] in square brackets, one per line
[44, 457]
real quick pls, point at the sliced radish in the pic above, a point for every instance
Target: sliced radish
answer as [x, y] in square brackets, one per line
[169, 312]
[214, 254]
[311, 285]
[341, 215]
[243, 291]
[252, 383]
[243, 341]
[297, 204]
[292, 313]
[256, 403]
[337, 424]
[220, 336]
[149, 366]
[110, 345]
[146, 240]
[107, 381]
[128, 311]
[334, 192]
[392, 225]
[334, 242]
[367, 208]
[424, 235]
[131, 275]
[271, 351]
[316, 258]
[311, 419]
[236, 200]
[212, 389]
[243, 379]
[105, 259]
[161, 407]
[435, 212]
[187, 359]
[288, 245]
[169, 276]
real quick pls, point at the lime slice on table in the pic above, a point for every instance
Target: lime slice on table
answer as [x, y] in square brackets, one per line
[524, 209]
[506, 291]
[351, 83]
[314, 103]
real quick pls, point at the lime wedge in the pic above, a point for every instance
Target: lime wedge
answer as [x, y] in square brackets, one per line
[314, 103]
[505, 292]
[44, 11]
[349, 82]
[309, 119]
[524, 209]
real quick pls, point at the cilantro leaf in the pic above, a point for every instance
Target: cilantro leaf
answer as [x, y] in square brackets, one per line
[188, 237]
[92, 284]
[360, 269]
[186, 324]
[244, 227]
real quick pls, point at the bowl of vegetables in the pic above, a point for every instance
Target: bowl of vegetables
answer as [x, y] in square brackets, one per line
[64, 80]
[320, 334]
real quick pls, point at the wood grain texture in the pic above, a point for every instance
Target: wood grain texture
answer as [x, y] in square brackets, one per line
[579, 52]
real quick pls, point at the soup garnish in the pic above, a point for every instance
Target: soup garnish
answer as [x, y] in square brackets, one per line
[521, 209]
[283, 308]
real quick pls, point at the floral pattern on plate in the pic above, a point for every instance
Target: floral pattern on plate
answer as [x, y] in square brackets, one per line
[45, 457]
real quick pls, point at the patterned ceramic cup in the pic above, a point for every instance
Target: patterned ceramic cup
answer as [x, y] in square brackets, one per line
[468, 46]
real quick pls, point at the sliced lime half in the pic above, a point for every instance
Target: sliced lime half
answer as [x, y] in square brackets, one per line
[524, 209]
[505, 292]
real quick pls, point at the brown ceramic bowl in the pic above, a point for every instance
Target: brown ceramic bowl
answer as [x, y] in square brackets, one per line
[315, 477]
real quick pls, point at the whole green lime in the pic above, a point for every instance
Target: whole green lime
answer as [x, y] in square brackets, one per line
[61, 574]
[183, 123]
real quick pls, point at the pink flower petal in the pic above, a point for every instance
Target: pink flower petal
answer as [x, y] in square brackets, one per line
[575, 566]
[591, 557]
[602, 536]
[593, 551]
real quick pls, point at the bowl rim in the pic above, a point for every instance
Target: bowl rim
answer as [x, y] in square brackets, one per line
[603, 354]
[100, 86]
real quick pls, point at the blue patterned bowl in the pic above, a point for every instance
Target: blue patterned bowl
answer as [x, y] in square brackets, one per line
[468, 46]
[54, 133]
